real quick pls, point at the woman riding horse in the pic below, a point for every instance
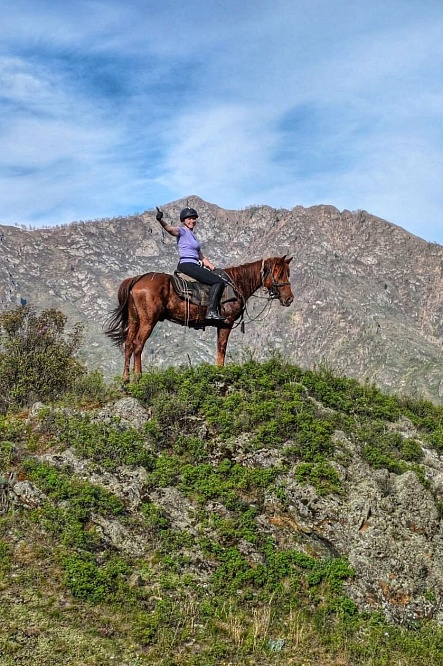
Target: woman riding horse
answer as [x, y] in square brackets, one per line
[192, 262]
[145, 300]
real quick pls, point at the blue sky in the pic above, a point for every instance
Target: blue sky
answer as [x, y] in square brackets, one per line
[113, 107]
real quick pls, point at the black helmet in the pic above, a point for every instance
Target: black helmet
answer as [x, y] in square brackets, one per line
[188, 212]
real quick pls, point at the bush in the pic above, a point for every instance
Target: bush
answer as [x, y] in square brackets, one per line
[37, 356]
[89, 581]
[321, 475]
[91, 388]
[108, 444]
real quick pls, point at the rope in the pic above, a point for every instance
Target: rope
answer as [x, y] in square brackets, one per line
[187, 300]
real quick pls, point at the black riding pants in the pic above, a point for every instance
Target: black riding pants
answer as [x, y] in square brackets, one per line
[199, 273]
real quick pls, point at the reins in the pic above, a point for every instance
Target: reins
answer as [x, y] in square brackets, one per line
[257, 317]
[263, 274]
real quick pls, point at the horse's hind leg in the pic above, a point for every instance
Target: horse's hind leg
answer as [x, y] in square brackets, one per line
[133, 326]
[143, 334]
[129, 348]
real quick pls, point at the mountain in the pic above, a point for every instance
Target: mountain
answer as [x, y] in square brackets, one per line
[368, 294]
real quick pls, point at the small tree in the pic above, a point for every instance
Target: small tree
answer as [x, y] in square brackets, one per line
[37, 356]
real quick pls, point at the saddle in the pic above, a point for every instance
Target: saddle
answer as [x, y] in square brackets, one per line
[189, 289]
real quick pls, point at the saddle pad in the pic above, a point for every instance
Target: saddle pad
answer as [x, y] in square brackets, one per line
[196, 292]
[189, 289]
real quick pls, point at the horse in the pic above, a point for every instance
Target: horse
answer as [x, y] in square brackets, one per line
[146, 299]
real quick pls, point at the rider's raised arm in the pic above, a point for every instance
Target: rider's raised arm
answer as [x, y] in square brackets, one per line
[167, 227]
[170, 229]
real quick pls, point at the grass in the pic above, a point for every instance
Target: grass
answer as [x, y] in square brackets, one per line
[216, 588]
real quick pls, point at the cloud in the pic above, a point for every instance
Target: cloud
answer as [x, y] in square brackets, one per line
[108, 108]
[215, 150]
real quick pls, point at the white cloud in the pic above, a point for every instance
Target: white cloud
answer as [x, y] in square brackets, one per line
[108, 108]
[218, 149]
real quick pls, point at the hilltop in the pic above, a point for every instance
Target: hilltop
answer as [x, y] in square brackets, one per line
[252, 514]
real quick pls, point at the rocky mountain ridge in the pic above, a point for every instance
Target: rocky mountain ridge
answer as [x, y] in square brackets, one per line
[368, 294]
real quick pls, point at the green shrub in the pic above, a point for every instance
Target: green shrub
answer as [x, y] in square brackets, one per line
[7, 453]
[334, 571]
[68, 527]
[423, 413]
[108, 444]
[288, 567]
[350, 396]
[435, 438]
[15, 438]
[89, 581]
[148, 624]
[37, 356]
[224, 482]
[236, 527]
[190, 448]
[60, 485]
[91, 388]
[412, 450]
[312, 437]
[321, 475]
[381, 447]
[155, 519]
[70, 504]
[165, 472]
[232, 399]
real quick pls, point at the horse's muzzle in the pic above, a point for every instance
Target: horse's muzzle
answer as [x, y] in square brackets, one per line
[287, 301]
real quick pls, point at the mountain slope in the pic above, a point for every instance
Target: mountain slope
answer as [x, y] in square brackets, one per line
[368, 295]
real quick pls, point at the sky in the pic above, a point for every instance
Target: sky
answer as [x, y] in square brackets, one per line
[113, 107]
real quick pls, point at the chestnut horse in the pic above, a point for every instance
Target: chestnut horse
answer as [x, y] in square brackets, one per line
[147, 299]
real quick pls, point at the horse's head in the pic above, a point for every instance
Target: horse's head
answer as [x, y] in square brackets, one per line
[275, 278]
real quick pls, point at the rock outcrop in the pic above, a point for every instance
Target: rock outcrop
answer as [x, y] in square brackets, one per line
[387, 525]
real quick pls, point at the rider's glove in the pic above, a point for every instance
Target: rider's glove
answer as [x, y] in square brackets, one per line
[159, 215]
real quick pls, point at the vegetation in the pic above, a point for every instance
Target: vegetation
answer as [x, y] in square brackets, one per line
[217, 589]
[38, 359]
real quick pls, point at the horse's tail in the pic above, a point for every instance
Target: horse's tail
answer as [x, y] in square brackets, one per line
[117, 324]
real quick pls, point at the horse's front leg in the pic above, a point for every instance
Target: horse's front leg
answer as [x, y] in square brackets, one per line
[222, 343]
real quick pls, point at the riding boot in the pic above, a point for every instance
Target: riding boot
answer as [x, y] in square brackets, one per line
[214, 295]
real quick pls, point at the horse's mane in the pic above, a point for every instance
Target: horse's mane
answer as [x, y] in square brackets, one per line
[245, 276]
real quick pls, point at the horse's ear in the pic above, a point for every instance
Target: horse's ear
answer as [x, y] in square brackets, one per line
[288, 261]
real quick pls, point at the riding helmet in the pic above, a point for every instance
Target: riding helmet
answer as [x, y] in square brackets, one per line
[188, 212]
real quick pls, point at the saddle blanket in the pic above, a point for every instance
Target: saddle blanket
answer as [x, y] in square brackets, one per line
[196, 292]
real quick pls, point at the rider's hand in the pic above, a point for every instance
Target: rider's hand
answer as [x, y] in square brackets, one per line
[207, 264]
[159, 215]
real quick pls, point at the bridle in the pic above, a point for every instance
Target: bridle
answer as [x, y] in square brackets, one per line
[273, 291]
